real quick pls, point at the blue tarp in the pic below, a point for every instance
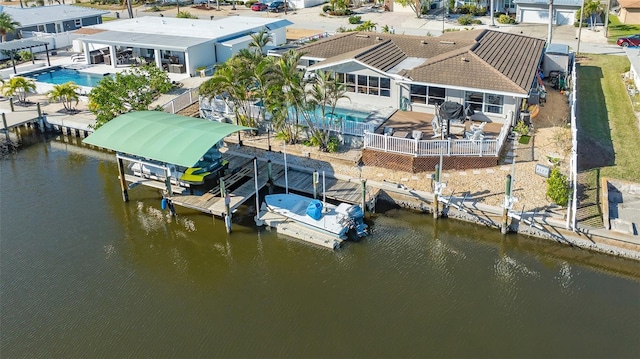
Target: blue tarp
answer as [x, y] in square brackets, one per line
[314, 209]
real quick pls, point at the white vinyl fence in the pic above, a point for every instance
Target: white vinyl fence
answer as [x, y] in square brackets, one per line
[181, 102]
[425, 148]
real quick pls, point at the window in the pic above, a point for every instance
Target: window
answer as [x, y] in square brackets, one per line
[350, 82]
[42, 28]
[418, 94]
[494, 103]
[474, 100]
[366, 85]
[385, 87]
[436, 95]
[362, 83]
[78, 23]
[508, 4]
[484, 102]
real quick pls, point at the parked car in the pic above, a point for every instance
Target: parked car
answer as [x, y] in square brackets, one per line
[632, 40]
[276, 6]
[259, 6]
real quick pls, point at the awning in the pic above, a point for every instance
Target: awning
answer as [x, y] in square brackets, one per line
[161, 136]
[21, 44]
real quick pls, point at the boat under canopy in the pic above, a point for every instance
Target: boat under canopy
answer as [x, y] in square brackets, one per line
[162, 137]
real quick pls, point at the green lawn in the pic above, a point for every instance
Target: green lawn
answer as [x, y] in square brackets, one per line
[617, 29]
[608, 133]
[606, 117]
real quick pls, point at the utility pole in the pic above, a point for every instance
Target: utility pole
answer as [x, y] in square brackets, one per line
[580, 27]
[493, 22]
[606, 19]
[550, 22]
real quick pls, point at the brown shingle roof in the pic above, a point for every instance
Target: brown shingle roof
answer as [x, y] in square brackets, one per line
[383, 56]
[482, 59]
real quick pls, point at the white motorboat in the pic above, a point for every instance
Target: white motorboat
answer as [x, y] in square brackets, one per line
[343, 222]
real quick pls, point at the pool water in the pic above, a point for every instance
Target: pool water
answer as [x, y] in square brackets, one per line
[340, 113]
[59, 76]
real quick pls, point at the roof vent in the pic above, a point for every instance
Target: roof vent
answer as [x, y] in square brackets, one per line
[423, 42]
[362, 35]
[378, 38]
[448, 42]
[464, 59]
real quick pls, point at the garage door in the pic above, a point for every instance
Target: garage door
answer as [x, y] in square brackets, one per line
[565, 17]
[534, 16]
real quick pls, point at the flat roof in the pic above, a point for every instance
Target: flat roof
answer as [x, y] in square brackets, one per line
[130, 39]
[31, 16]
[21, 44]
[217, 29]
[161, 136]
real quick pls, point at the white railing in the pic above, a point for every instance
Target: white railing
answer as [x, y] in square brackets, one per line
[425, 148]
[344, 127]
[181, 102]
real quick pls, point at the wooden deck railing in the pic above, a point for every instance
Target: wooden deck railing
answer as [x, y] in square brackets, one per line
[424, 148]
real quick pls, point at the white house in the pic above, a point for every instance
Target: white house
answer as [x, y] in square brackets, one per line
[178, 45]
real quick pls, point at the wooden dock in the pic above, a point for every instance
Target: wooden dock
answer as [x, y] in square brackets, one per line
[338, 190]
[240, 184]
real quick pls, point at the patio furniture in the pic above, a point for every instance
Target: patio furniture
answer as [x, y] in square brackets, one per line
[416, 135]
[388, 131]
[401, 134]
[437, 129]
[457, 128]
[475, 127]
[476, 137]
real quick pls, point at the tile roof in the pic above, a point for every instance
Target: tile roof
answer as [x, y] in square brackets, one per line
[629, 4]
[482, 59]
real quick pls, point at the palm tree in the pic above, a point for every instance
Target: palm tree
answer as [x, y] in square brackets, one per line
[65, 93]
[7, 25]
[287, 98]
[322, 96]
[18, 86]
[259, 41]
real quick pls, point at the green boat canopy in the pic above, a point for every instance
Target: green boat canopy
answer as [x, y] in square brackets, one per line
[161, 136]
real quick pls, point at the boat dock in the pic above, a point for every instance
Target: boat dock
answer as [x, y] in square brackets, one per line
[240, 183]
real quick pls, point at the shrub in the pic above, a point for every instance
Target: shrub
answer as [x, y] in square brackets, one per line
[327, 8]
[478, 11]
[506, 19]
[476, 22]
[250, 2]
[465, 19]
[25, 55]
[333, 145]
[354, 19]
[186, 15]
[521, 128]
[558, 187]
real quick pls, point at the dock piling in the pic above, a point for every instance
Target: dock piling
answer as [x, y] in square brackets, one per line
[6, 127]
[435, 192]
[123, 182]
[255, 178]
[11, 104]
[227, 208]
[316, 179]
[505, 209]
[364, 195]
[270, 176]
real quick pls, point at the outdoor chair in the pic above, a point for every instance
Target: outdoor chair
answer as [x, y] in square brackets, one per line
[475, 127]
[477, 136]
[416, 135]
[437, 129]
[388, 131]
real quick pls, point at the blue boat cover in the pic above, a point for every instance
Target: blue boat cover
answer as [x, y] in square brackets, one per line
[314, 209]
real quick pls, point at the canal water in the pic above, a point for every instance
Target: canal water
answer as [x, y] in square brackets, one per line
[85, 275]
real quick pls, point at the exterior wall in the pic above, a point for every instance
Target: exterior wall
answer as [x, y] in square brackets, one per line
[566, 11]
[300, 4]
[279, 36]
[630, 16]
[510, 103]
[223, 52]
[202, 55]
[398, 162]
[93, 20]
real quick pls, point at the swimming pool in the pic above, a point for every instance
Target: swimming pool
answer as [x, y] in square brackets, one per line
[60, 75]
[340, 113]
